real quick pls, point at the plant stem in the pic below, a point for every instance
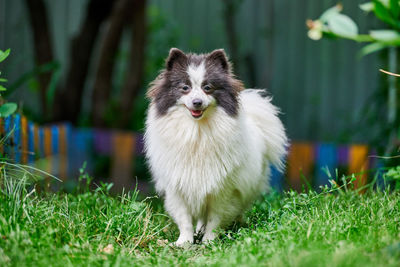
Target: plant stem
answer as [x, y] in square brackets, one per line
[392, 101]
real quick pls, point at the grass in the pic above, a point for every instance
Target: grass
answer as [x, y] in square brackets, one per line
[337, 227]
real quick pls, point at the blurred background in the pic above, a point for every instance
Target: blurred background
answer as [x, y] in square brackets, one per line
[89, 62]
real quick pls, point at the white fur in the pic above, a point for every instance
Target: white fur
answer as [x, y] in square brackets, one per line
[212, 169]
[196, 76]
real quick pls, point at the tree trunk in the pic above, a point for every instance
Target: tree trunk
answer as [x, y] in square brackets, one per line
[68, 101]
[121, 12]
[42, 45]
[133, 81]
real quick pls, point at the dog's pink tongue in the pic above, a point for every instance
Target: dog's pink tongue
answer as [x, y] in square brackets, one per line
[196, 113]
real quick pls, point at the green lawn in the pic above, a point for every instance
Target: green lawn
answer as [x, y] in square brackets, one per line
[334, 228]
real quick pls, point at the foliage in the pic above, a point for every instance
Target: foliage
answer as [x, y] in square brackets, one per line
[337, 227]
[393, 175]
[6, 109]
[333, 23]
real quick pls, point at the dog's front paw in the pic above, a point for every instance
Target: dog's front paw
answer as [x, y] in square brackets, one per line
[183, 241]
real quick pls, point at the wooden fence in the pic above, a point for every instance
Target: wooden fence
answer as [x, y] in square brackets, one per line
[61, 150]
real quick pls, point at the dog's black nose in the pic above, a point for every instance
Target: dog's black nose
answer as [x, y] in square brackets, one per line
[197, 103]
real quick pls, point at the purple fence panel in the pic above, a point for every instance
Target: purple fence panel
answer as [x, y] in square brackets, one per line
[102, 142]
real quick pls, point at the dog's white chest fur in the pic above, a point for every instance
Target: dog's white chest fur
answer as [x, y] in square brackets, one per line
[193, 158]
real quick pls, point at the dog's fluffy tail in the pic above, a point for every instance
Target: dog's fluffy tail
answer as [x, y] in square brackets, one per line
[257, 106]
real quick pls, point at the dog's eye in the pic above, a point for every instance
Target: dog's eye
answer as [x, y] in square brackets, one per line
[185, 88]
[207, 89]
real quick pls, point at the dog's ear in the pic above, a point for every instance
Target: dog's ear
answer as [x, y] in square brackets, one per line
[218, 56]
[176, 56]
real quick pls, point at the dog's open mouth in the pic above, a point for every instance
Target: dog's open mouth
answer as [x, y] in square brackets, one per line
[196, 113]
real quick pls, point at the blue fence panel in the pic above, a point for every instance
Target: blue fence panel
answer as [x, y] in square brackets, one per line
[326, 163]
[41, 142]
[81, 144]
[17, 138]
[277, 179]
[31, 143]
[8, 128]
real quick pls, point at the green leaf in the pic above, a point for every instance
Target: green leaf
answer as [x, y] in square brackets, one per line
[394, 8]
[330, 12]
[52, 88]
[367, 7]
[343, 26]
[372, 48]
[26, 77]
[7, 109]
[3, 80]
[2, 88]
[383, 13]
[386, 36]
[4, 54]
[364, 38]
[34, 85]
[385, 3]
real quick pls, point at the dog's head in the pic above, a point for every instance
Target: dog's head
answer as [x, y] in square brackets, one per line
[196, 84]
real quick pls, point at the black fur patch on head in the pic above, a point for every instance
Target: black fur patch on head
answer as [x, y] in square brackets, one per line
[165, 89]
[219, 75]
[219, 58]
[176, 58]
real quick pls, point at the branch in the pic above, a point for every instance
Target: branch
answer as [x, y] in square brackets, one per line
[389, 73]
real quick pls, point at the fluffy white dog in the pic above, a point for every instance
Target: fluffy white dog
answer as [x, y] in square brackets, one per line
[209, 143]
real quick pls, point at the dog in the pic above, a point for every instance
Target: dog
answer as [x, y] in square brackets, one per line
[209, 143]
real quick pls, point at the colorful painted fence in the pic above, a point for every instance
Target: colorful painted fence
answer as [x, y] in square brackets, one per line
[62, 150]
